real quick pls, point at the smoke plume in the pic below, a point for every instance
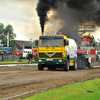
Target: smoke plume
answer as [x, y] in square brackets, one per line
[70, 12]
[42, 9]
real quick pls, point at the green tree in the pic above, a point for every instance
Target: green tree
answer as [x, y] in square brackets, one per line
[9, 29]
[4, 32]
[12, 35]
[1, 28]
[1, 32]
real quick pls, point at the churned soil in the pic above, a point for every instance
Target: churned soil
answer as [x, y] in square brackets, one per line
[21, 82]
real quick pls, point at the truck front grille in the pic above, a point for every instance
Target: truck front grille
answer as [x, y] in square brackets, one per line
[57, 55]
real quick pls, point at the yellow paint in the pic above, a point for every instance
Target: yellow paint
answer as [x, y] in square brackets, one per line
[71, 63]
[54, 50]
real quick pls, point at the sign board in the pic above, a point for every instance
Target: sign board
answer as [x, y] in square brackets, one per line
[79, 51]
[87, 48]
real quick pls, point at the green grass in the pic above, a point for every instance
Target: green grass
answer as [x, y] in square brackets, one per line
[22, 61]
[26, 60]
[76, 91]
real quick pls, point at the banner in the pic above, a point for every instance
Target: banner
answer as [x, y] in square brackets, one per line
[82, 51]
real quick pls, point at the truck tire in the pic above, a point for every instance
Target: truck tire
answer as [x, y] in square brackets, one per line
[75, 64]
[40, 67]
[66, 66]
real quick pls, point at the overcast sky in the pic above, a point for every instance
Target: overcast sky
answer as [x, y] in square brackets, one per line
[22, 15]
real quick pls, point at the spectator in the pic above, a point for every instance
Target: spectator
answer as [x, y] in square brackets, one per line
[96, 58]
[30, 56]
[36, 58]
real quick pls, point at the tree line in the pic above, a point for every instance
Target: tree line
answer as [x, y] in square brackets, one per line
[3, 35]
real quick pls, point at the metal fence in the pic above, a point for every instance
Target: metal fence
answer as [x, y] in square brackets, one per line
[9, 58]
[0, 57]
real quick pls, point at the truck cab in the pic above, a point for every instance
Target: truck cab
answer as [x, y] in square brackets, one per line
[18, 51]
[55, 51]
[26, 51]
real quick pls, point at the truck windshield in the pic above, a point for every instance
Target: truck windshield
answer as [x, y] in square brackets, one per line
[19, 50]
[51, 43]
[27, 47]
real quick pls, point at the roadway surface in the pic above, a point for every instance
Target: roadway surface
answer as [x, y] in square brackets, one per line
[24, 81]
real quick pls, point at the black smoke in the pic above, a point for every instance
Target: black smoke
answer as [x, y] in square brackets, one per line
[71, 12]
[42, 9]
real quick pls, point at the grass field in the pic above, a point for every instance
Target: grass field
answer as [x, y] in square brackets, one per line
[89, 90]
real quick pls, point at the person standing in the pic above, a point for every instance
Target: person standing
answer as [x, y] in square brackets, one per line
[96, 57]
[36, 58]
[30, 56]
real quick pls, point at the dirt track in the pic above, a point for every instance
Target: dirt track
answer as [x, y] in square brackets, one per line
[18, 80]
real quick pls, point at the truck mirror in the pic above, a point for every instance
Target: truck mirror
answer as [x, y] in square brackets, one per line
[36, 42]
[67, 42]
[64, 43]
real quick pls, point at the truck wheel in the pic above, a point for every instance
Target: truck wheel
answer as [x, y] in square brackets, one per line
[75, 64]
[66, 66]
[40, 67]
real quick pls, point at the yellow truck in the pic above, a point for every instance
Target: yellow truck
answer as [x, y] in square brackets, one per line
[56, 51]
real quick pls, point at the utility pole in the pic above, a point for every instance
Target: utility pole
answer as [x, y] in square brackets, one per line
[8, 39]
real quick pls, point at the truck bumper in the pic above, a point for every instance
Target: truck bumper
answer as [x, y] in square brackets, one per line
[51, 61]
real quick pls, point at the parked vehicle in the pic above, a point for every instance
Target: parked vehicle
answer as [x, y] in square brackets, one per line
[26, 51]
[18, 51]
[35, 52]
[7, 50]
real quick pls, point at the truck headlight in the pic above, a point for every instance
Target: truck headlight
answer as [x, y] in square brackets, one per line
[40, 60]
[60, 60]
